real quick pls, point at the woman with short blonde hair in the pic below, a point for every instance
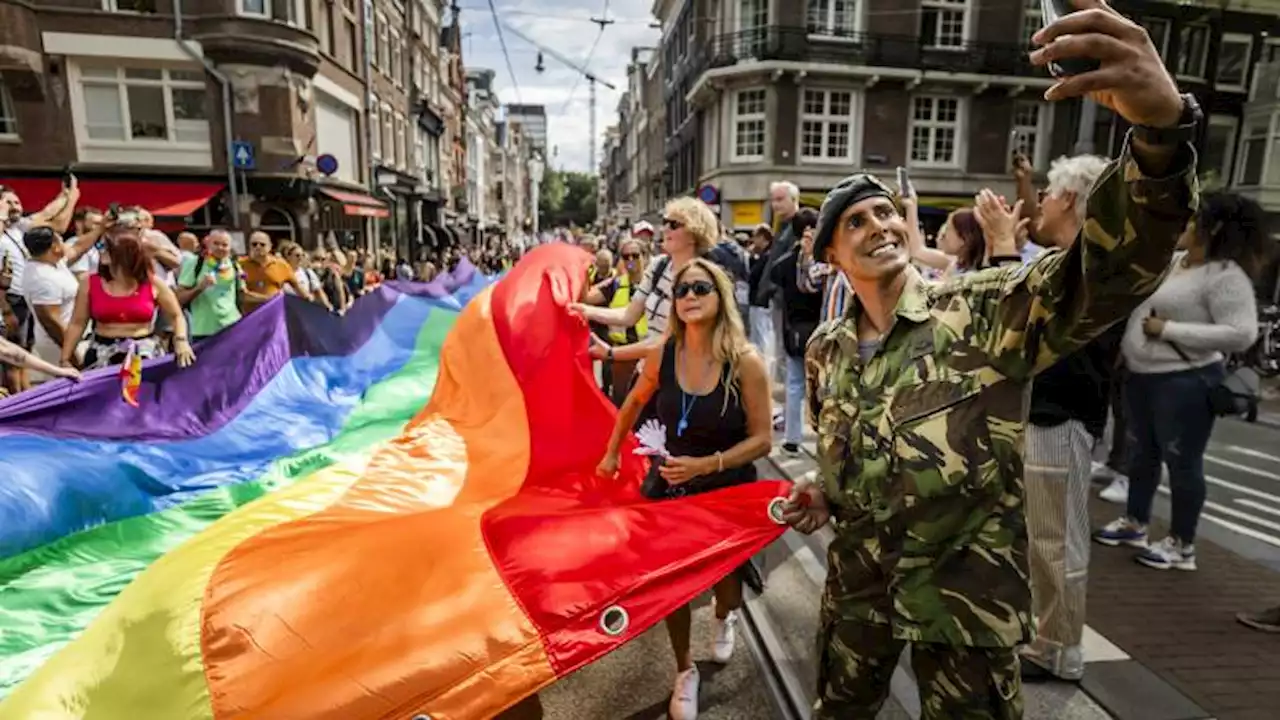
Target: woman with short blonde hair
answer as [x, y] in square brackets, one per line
[689, 231]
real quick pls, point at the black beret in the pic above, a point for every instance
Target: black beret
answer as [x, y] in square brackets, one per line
[853, 189]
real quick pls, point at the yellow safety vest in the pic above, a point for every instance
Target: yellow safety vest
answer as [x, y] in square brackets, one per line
[621, 299]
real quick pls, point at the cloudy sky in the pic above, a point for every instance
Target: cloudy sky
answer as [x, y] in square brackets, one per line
[563, 26]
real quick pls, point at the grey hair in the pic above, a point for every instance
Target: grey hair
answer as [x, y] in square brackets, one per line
[793, 192]
[1076, 174]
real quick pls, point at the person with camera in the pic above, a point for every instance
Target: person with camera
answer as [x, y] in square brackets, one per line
[918, 395]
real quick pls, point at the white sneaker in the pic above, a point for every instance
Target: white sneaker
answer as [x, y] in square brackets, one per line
[724, 635]
[1169, 553]
[684, 696]
[1117, 492]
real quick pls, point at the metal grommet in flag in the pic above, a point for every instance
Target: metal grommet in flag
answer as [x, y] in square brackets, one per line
[776, 507]
[421, 717]
[614, 621]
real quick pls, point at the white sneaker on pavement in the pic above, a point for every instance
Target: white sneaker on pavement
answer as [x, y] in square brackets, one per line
[724, 635]
[684, 696]
[1117, 492]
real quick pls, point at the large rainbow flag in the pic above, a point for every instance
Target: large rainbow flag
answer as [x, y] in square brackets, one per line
[378, 516]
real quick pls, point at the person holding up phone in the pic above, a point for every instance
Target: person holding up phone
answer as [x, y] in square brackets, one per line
[918, 394]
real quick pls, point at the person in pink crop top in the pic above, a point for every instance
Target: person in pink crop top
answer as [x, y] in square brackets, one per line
[122, 300]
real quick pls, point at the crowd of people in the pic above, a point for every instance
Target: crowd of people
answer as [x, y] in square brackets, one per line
[1116, 295]
[1112, 297]
[87, 288]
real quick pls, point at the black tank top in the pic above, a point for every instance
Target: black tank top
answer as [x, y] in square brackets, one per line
[710, 424]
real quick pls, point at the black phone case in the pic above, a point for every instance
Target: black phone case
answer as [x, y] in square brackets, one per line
[1052, 10]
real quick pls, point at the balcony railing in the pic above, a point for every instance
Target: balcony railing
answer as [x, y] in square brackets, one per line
[874, 49]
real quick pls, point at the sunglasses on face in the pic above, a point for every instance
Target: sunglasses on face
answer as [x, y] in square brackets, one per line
[672, 224]
[630, 256]
[258, 244]
[700, 288]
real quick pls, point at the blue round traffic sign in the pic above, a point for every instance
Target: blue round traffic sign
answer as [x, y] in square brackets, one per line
[708, 194]
[327, 164]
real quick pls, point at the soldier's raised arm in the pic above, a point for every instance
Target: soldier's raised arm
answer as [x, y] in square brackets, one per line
[1026, 318]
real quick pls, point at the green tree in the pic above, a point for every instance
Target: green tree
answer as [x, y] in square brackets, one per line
[551, 195]
[568, 198]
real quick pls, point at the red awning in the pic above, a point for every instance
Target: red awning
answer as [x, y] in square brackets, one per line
[161, 198]
[354, 203]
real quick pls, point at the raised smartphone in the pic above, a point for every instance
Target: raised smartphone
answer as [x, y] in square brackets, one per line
[905, 188]
[1050, 11]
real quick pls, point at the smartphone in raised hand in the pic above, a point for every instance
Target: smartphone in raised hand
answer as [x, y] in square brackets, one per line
[905, 188]
[1051, 11]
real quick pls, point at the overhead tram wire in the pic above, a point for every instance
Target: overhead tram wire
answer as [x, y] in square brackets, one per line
[603, 21]
[506, 55]
[578, 80]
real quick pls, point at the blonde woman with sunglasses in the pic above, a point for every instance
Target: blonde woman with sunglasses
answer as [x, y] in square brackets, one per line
[708, 391]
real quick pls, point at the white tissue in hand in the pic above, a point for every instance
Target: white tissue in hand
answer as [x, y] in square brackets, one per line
[653, 439]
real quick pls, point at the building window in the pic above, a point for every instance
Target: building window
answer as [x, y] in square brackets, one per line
[1219, 148]
[375, 132]
[147, 105]
[1270, 51]
[1030, 136]
[325, 29]
[1158, 30]
[1233, 62]
[381, 51]
[834, 18]
[418, 161]
[935, 128]
[1193, 52]
[397, 66]
[293, 12]
[388, 136]
[749, 111]
[826, 126]
[401, 139]
[352, 59]
[1032, 20]
[8, 116]
[135, 6]
[1253, 152]
[753, 29]
[943, 22]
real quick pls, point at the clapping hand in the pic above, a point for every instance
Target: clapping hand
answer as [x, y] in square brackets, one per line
[1000, 223]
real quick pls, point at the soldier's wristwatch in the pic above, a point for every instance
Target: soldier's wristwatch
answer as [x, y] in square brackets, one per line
[1184, 132]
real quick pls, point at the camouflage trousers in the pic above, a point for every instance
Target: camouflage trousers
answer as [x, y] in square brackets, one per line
[857, 660]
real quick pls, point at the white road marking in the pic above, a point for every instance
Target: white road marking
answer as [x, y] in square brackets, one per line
[1242, 468]
[1250, 452]
[1232, 512]
[1242, 489]
[1257, 506]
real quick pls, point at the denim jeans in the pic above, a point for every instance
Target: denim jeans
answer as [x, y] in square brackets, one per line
[1118, 456]
[762, 335]
[1170, 423]
[793, 418]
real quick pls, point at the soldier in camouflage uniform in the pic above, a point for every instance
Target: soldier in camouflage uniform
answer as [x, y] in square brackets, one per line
[918, 395]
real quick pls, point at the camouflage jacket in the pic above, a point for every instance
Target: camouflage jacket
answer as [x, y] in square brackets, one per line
[920, 448]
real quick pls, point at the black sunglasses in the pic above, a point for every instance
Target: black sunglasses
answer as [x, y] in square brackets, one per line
[672, 224]
[630, 256]
[701, 288]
